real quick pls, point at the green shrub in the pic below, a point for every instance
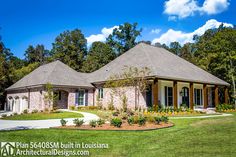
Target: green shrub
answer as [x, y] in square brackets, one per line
[4, 115]
[46, 110]
[222, 107]
[141, 120]
[93, 123]
[157, 120]
[124, 116]
[111, 104]
[78, 122]
[164, 119]
[15, 113]
[117, 122]
[92, 107]
[150, 118]
[100, 122]
[25, 111]
[35, 111]
[72, 107]
[63, 122]
[130, 120]
[116, 113]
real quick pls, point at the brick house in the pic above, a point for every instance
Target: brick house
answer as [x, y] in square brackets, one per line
[173, 81]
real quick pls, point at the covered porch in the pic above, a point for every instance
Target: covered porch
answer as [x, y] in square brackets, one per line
[194, 95]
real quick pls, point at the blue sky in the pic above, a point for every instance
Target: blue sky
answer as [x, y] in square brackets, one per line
[25, 22]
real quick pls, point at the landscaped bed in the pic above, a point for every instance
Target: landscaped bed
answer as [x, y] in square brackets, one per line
[43, 116]
[125, 126]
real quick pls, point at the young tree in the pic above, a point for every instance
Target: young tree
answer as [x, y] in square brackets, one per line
[130, 77]
[49, 96]
[70, 47]
[99, 55]
[124, 37]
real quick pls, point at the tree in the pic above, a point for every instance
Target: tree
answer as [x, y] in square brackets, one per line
[175, 47]
[99, 55]
[216, 53]
[187, 52]
[49, 97]
[124, 37]
[130, 77]
[70, 47]
[37, 54]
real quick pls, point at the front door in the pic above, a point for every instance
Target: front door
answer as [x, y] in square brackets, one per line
[185, 96]
[149, 96]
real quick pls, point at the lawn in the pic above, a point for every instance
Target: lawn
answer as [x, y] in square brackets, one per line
[44, 115]
[212, 137]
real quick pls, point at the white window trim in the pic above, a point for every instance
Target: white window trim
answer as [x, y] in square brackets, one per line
[201, 98]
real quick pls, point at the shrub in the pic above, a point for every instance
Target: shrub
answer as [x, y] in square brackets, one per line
[35, 111]
[93, 123]
[222, 107]
[4, 115]
[63, 122]
[72, 107]
[164, 119]
[130, 120]
[124, 116]
[157, 120]
[92, 107]
[116, 113]
[117, 122]
[25, 111]
[150, 118]
[78, 122]
[141, 120]
[111, 104]
[46, 110]
[100, 122]
[15, 113]
[130, 112]
[136, 119]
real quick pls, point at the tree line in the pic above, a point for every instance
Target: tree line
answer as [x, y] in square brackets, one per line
[214, 51]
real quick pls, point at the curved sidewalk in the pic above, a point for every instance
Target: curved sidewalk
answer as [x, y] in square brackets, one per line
[199, 117]
[40, 124]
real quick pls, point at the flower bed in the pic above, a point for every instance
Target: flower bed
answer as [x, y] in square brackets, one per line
[125, 126]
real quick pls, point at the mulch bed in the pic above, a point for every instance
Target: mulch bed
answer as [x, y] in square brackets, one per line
[125, 126]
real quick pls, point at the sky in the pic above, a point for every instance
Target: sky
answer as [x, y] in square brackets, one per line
[32, 22]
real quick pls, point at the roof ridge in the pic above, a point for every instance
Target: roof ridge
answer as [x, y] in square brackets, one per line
[49, 73]
[154, 68]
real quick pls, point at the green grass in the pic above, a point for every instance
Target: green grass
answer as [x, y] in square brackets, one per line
[211, 137]
[43, 116]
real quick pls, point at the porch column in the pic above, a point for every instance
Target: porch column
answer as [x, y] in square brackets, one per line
[191, 96]
[205, 93]
[226, 95]
[155, 94]
[216, 95]
[175, 95]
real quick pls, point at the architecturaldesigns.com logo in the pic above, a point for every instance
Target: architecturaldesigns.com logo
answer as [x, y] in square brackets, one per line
[7, 148]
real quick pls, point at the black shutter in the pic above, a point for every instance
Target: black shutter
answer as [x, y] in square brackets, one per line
[86, 97]
[166, 96]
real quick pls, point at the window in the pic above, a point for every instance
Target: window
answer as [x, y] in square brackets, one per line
[59, 95]
[100, 93]
[81, 97]
[168, 96]
[198, 96]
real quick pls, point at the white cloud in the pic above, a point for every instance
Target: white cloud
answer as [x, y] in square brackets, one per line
[215, 6]
[184, 8]
[183, 37]
[105, 32]
[155, 31]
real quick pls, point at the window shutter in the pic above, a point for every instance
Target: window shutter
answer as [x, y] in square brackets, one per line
[86, 97]
[76, 98]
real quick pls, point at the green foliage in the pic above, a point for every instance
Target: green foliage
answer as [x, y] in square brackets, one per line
[35, 111]
[4, 115]
[72, 107]
[93, 123]
[70, 47]
[49, 96]
[99, 55]
[130, 120]
[164, 119]
[116, 122]
[124, 103]
[100, 122]
[158, 120]
[25, 111]
[222, 107]
[38, 54]
[124, 37]
[141, 120]
[63, 122]
[78, 122]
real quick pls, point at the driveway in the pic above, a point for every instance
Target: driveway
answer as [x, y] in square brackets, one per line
[40, 124]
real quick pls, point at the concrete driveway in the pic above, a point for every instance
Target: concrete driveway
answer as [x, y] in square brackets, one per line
[40, 124]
